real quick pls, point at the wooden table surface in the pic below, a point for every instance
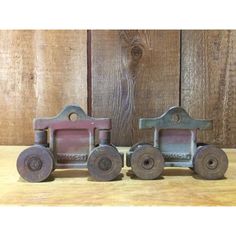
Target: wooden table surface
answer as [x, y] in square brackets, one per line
[75, 187]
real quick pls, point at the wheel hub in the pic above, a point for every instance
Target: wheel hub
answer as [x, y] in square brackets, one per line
[105, 164]
[212, 163]
[34, 163]
[148, 163]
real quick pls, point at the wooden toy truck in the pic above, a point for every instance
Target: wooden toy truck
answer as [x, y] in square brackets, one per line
[68, 141]
[175, 145]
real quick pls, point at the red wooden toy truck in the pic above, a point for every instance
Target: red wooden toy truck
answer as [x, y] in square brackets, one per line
[68, 141]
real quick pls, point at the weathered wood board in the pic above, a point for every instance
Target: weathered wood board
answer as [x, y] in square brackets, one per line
[40, 72]
[135, 74]
[125, 75]
[208, 88]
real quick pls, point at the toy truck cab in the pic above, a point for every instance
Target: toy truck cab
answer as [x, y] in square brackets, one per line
[175, 145]
[68, 141]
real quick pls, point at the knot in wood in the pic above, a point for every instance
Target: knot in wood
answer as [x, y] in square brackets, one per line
[136, 52]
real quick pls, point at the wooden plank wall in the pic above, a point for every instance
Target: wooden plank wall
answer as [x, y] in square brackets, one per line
[122, 74]
[134, 74]
[40, 72]
[208, 82]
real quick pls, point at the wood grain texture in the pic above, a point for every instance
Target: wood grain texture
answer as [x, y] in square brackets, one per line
[40, 72]
[208, 88]
[134, 74]
[17, 93]
[178, 186]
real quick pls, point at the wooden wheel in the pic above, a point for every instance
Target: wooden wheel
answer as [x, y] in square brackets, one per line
[35, 164]
[131, 150]
[104, 163]
[210, 162]
[147, 162]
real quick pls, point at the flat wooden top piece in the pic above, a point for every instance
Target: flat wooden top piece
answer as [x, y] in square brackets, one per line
[63, 119]
[174, 118]
[178, 186]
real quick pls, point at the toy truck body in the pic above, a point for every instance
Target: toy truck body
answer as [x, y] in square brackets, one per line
[69, 138]
[68, 141]
[175, 141]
